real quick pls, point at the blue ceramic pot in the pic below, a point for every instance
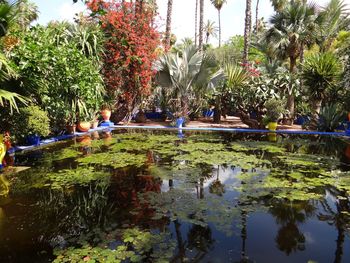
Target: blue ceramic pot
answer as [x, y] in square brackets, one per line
[33, 140]
[180, 122]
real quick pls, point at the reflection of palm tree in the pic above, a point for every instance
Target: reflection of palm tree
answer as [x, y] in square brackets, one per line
[340, 220]
[199, 238]
[216, 187]
[289, 237]
[244, 257]
[180, 244]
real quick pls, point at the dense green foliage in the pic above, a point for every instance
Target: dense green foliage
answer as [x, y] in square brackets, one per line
[274, 108]
[57, 74]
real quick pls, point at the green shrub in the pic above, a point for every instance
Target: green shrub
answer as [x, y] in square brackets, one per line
[30, 120]
[274, 109]
[330, 118]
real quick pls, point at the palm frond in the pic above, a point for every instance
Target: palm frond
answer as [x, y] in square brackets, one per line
[11, 98]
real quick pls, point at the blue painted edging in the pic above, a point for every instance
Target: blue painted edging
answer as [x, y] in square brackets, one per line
[77, 134]
[53, 140]
[233, 130]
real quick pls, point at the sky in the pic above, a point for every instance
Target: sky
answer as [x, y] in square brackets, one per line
[232, 14]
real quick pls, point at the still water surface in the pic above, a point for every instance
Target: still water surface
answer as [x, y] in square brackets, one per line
[164, 197]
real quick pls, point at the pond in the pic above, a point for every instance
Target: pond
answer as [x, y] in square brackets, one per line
[155, 196]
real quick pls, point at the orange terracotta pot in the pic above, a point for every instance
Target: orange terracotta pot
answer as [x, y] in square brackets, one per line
[106, 114]
[85, 140]
[83, 126]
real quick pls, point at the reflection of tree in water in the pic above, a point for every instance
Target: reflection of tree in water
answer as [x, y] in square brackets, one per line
[339, 217]
[216, 187]
[289, 238]
[199, 238]
[87, 208]
[206, 173]
[86, 212]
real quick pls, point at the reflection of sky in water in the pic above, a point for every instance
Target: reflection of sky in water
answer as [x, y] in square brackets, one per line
[272, 224]
[262, 228]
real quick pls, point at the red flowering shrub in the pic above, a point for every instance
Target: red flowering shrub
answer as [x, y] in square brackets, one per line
[251, 69]
[130, 48]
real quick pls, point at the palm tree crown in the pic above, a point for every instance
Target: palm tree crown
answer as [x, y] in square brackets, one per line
[292, 29]
[218, 5]
[210, 30]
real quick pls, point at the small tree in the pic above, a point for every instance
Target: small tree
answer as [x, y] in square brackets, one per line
[130, 49]
[320, 73]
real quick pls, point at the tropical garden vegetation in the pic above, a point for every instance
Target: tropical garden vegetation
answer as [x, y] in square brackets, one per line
[131, 197]
[115, 57]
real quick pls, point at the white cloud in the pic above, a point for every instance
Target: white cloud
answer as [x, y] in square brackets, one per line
[68, 10]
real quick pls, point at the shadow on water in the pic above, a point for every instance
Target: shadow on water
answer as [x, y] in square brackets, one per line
[200, 197]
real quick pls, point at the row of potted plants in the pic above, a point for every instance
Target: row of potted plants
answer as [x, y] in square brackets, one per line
[86, 125]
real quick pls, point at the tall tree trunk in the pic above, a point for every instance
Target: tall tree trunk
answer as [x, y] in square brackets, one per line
[217, 110]
[302, 50]
[184, 106]
[247, 30]
[168, 25]
[257, 17]
[291, 99]
[138, 6]
[196, 25]
[316, 108]
[201, 24]
[219, 14]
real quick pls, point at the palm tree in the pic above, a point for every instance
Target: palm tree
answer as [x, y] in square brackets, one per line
[6, 71]
[201, 24]
[184, 77]
[292, 29]
[320, 73]
[278, 5]
[234, 77]
[247, 30]
[257, 17]
[218, 5]
[210, 30]
[168, 25]
[26, 13]
[196, 24]
[330, 21]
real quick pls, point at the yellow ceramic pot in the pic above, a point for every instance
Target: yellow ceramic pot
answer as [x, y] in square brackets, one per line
[2, 149]
[272, 136]
[272, 126]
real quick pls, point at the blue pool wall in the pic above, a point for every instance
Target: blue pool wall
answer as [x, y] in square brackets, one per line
[233, 130]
